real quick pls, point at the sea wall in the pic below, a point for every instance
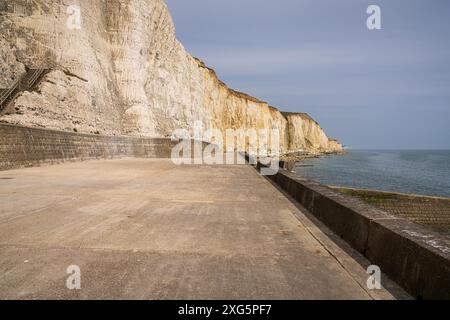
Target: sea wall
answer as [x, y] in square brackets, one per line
[124, 73]
[28, 147]
[433, 212]
[415, 257]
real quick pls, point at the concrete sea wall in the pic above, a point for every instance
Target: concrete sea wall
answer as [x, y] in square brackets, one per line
[27, 147]
[415, 257]
[433, 212]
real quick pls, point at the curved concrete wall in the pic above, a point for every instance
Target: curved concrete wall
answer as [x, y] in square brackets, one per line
[27, 147]
[415, 257]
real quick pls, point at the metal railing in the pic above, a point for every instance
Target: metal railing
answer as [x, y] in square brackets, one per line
[33, 76]
[6, 94]
[26, 82]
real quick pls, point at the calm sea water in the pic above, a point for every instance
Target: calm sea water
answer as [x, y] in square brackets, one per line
[418, 172]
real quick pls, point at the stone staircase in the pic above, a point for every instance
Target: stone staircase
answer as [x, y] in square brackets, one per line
[27, 82]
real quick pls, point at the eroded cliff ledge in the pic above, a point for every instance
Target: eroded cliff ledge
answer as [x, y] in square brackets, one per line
[124, 73]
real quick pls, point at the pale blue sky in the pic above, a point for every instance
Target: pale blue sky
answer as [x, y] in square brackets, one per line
[387, 88]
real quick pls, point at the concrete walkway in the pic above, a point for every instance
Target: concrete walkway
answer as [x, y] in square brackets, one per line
[147, 229]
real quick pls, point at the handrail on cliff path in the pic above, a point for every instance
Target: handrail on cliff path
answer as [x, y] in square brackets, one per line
[25, 82]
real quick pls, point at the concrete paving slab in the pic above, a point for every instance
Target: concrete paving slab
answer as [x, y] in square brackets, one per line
[148, 229]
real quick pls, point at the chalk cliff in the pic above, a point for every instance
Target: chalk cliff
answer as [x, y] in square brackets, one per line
[124, 72]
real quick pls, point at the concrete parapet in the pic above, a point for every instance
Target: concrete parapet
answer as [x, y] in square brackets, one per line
[417, 258]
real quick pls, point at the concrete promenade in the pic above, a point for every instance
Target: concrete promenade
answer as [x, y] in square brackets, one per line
[147, 229]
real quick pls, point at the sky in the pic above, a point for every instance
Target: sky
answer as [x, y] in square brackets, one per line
[371, 89]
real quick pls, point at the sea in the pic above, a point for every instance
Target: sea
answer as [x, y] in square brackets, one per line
[422, 172]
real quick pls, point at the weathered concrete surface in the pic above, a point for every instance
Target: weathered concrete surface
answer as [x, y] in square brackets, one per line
[148, 229]
[22, 147]
[433, 212]
[415, 257]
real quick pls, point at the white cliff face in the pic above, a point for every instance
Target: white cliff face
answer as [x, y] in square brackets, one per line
[124, 72]
[10, 68]
[307, 135]
[78, 94]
